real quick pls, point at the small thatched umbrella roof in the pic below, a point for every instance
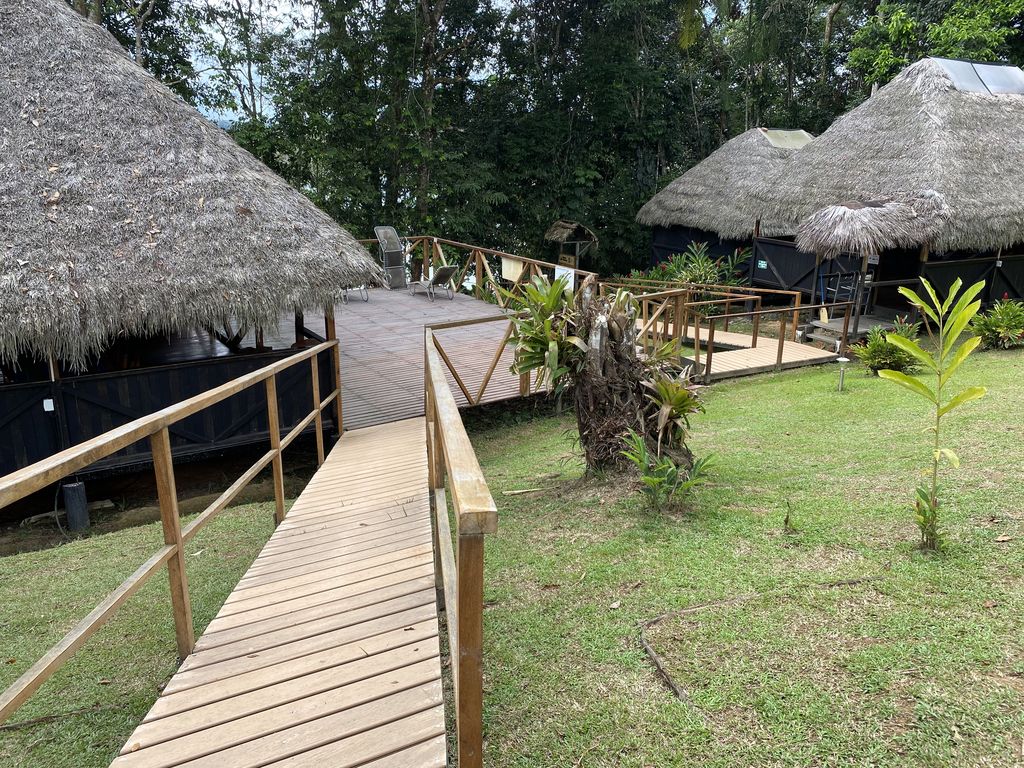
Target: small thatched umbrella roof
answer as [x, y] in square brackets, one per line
[936, 126]
[873, 226]
[714, 195]
[123, 210]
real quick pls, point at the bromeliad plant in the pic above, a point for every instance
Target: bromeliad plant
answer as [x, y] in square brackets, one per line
[661, 478]
[949, 320]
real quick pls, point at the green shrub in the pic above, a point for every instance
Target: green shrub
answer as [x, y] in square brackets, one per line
[661, 478]
[877, 353]
[695, 265]
[1002, 327]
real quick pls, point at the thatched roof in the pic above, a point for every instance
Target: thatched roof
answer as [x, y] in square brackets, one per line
[563, 231]
[919, 132]
[714, 195]
[873, 226]
[123, 210]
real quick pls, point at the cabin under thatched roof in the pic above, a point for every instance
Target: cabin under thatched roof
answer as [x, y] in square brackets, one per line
[125, 211]
[952, 127]
[714, 195]
[873, 226]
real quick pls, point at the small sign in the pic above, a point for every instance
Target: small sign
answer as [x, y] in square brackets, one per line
[762, 263]
[999, 262]
[48, 404]
[569, 274]
[872, 258]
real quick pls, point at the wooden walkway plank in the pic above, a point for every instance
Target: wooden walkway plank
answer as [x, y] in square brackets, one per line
[327, 651]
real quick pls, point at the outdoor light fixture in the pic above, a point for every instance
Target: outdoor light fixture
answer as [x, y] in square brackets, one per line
[842, 370]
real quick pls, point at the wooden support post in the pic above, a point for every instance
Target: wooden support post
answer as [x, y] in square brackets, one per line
[728, 311]
[274, 424]
[677, 321]
[163, 467]
[300, 324]
[782, 342]
[330, 332]
[314, 369]
[470, 687]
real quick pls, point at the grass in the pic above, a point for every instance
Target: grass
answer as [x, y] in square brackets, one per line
[922, 665]
[117, 674]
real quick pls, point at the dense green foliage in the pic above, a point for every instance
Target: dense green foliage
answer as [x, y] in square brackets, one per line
[696, 265]
[878, 353]
[486, 120]
[1002, 327]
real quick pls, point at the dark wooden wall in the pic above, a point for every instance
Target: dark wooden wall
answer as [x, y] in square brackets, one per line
[87, 406]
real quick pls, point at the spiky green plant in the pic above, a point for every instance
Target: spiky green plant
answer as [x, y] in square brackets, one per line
[949, 320]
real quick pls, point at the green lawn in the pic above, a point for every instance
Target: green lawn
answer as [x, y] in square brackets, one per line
[921, 665]
[920, 662]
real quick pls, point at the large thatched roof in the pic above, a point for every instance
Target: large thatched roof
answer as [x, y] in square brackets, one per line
[919, 132]
[873, 226]
[123, 210]
[714, 195]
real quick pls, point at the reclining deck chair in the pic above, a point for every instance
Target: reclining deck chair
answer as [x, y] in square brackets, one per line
[392, 254]
[440, 281]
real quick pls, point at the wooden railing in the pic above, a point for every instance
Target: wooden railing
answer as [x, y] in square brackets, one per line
[477, 397]
[155, 428]
[755, 315]
[459, 565]
[712, 293]
[484, 264]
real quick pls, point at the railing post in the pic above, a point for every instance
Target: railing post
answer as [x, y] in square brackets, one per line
[846, 328]
[728, 311]
[796, 313]
[710, 348]
[274, 424]
[314, 370]
[331, 333]
[782, 341]
[479, 264]
[163, 467]
[470, 688]
[757, 323]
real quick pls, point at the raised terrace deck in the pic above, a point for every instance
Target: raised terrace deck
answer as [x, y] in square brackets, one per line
[381, 344]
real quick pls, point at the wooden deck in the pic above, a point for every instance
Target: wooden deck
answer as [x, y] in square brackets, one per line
[728, 364]
[326, 654]
[382, 352]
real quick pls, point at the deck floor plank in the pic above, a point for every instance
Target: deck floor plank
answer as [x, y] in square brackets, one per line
[327, 651]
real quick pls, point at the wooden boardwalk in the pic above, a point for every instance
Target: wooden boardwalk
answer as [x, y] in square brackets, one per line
[732, 363]
[326, 654]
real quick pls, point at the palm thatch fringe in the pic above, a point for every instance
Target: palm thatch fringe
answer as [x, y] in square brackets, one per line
[715, 195]
[874, 226]
[125, 211]
[918, 132]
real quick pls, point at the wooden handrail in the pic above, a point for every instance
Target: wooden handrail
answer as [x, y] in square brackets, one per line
[155, 427]
[450, 457]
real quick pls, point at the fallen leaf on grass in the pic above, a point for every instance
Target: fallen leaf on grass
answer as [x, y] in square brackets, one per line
[1003, 539]
[615, 606]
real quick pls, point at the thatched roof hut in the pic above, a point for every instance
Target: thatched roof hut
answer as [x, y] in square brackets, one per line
[949, 126]
[124, 211]
[873, 226]
[714, 195]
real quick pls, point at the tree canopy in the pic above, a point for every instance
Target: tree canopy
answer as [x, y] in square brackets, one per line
[485, 120]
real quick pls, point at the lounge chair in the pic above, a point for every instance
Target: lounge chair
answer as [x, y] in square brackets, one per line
[442, 279]
[392, 254]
